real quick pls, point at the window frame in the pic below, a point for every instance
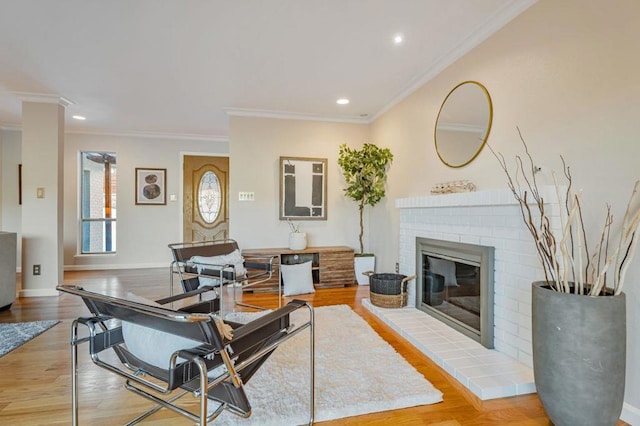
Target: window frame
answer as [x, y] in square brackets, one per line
[109, 217]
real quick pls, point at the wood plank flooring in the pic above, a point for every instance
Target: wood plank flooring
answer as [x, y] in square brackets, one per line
[35, 383]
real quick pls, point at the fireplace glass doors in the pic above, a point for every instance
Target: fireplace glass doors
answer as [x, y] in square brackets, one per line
[455, 285]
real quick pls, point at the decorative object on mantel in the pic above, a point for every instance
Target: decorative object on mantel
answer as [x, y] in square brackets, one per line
[365, 173]
[297, 238]
[453, 187]
[579, 324]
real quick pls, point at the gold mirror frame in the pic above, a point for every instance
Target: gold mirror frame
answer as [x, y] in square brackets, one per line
[465, 128]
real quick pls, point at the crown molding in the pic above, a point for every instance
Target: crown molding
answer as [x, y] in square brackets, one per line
[151, 135]
[148, 135]
[287, 115]
[43, 98]
[480, 34]
[11, 126]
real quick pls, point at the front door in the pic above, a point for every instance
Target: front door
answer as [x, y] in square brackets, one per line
[205, 202]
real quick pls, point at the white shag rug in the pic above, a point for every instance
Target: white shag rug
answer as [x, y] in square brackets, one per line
[357, 372]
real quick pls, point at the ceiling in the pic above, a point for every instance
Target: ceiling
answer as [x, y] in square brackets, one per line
[179, 68]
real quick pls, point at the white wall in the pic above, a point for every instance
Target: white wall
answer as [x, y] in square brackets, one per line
[256, 145]
[567, 74]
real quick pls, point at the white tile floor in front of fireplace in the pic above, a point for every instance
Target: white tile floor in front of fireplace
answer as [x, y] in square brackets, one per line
[487, 373]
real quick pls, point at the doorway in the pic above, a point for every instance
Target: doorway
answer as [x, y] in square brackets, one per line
[205, 198]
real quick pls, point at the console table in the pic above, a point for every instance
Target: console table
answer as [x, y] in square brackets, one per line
[332, 265]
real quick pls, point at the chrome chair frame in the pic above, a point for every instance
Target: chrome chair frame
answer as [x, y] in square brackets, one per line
[253, 342]
[225, 274]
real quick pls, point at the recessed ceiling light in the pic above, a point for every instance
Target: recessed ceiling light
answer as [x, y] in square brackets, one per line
[342, 101]
[78, 117]
[398, 39]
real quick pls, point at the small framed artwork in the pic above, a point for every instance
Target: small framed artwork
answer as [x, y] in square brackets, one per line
[303, 188]
[151, 186]
[20, 184]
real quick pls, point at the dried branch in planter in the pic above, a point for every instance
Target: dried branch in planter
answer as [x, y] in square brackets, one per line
[567, 255]
[569, 259]
[625, 221]
[580, 283]
[544, 240]
[631, 240]
[593, 269]
[584, 238]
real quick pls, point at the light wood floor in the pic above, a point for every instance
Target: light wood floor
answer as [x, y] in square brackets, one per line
[35, 384]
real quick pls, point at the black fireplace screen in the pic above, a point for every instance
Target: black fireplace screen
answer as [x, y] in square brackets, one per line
[455, 285]
[453, 288]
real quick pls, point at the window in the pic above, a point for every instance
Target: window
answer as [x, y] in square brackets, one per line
[98, 202]
[209, 197]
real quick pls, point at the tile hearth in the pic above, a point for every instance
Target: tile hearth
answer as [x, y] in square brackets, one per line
[487, 373]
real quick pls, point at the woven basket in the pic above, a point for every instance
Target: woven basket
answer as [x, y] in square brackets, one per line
[388, 290]
[388, 300]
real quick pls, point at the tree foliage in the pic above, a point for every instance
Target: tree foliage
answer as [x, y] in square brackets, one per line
[365, 173]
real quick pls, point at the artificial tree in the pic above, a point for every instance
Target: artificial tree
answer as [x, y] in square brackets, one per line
[365, 172]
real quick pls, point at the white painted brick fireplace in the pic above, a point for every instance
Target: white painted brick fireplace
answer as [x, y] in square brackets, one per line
[487, 218]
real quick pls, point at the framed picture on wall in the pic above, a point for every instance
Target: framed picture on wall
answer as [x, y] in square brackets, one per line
[151, 186]
[20, 184]
[303, 188]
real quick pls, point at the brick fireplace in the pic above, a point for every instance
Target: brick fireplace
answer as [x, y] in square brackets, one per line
[484, 218]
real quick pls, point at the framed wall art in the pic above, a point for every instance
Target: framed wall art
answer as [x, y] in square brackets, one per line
[20, 184]
[151, 186]
[303, 188]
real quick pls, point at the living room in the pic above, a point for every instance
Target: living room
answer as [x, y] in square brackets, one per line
[564, 73]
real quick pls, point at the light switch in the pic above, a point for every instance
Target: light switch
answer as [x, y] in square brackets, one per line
[39, 192]
[173, 197]
[246, 196]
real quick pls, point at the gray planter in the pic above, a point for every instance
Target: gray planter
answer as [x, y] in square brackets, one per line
[579, 350]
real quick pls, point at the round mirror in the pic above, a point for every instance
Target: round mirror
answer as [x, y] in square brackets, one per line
[463, 124]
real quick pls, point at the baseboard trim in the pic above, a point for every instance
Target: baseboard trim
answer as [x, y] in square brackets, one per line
[630, 414]
[115, 266]
[38, 292]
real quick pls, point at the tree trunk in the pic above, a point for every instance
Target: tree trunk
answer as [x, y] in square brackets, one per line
[361, 229]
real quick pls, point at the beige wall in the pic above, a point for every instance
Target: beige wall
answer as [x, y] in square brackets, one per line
[42, 168]
[256, 145]
[143, 231]
[567, 74]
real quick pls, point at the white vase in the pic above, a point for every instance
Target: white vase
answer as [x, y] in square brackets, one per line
[364, 264]
[297, 240]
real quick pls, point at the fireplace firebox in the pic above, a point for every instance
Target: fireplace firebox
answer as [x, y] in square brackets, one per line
[455, 285]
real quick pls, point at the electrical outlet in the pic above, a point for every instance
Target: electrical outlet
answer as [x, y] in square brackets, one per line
[36, 269]
[397, 267]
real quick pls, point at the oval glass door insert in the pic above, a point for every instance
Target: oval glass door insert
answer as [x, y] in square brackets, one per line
[209, 197]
